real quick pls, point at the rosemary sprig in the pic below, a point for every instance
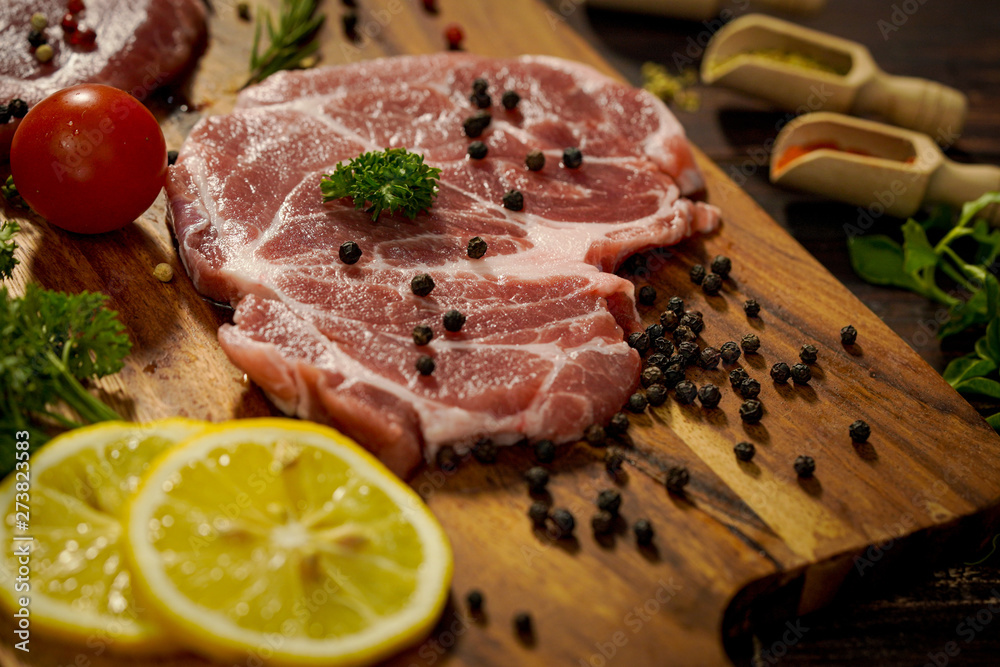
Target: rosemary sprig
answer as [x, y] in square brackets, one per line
[289, 44]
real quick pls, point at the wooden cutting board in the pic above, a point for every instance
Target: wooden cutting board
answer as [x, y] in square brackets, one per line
[747, 539]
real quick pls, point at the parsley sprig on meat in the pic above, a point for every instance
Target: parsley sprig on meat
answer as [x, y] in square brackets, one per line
[50, 342]
[390, 180]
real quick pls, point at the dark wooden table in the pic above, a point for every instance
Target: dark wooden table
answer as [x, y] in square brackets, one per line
[948, 617]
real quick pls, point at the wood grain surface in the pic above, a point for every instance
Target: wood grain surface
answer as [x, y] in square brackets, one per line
[744, 537]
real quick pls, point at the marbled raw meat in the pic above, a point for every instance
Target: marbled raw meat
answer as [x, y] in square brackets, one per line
[542, 352]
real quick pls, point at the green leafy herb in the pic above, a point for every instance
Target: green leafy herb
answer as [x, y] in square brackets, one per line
[10, 193]
[7, 248]
[916, 265]
[49, 343]
[292, 42]
[390, 180]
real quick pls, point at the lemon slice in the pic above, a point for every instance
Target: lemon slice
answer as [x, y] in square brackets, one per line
[75, 490]
[285, 541]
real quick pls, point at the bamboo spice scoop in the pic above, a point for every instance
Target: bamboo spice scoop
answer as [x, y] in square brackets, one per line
[874, 165]
[805, 70]
[702, 10]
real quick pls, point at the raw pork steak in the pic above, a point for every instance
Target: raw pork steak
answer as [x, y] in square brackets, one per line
[542, 353]
[140, 45]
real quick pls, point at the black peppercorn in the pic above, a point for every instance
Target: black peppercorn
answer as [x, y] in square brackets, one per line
[848, 335]
[485, 451]
[672, 375]
[18, 108]
[663, 346]
[643, 530]
[602, 523]
[751, 308]
[572, 158]
[750, 343]
[657, 359]
[685, 392]
[780, 372]
[453, 321]
[478, 150]
[545, 451]
[804, 466]
[595, 435]
[808, 353]
[651, 375]
[350, 24]
[513, 200]
[36, 38]
[610, 501]
[697, 274]
[480, 100]
[172, 157]
[730, 352]
[510, 99]
[476, 124]
[535, 160]
[474, 599]
[425, 364]
[677, 478]
[683, 334]
[690, 352]
[4, 114]
[619, 424]
[654, 331]
[537, 479]
[711, 284]
[539, 513]
[710, 358]
[801, 374]
[243, 11]
[647, 295]
[751, 411]
[693, 321]
[422, 284]
[480, 86]
[749, 388]
[737, 377]
[656, 394]
[613, 461]
[744, 451]
[722, 265]
[709, 395]
[669, 320]
[422, 334]
[476, 247]
[564, 522]
[676, 305]
[522, 623]
[350, 252]
[860, 430]
[637, 402]
[639, 341]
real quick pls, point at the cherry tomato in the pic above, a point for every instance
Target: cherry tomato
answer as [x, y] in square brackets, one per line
[89, 158]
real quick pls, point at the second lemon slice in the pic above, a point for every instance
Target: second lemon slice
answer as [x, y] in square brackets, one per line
[286, 541]
[62, 533]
